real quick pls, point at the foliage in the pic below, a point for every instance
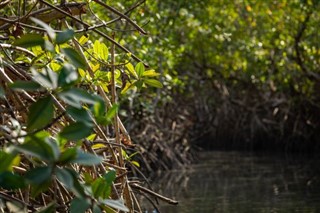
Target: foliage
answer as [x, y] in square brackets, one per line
[243, 70]
[61, 87]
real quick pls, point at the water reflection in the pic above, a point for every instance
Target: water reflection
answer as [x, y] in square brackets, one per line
[241, 182]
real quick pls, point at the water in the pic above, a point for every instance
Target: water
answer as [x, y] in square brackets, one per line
[241, 182]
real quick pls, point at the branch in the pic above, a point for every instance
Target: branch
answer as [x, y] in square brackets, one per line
[9, 46]
[94, 30]
[122, 16]
[47, 17]
[4, 3]
[161, 197]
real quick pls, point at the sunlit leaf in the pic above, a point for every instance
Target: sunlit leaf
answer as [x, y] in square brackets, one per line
[84, 39]
[98, 146]
[101, 50]
[139, 69]
[99, 109]
[127, 87]
[153, 83]
[8, 160]
[137, 164]
[150, 73]
[131, 70]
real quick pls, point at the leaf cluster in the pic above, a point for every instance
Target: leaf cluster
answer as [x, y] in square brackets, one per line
[61, 135]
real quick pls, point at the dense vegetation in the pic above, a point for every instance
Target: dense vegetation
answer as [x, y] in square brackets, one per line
[241, 74]
[65, 74]
[76, 77]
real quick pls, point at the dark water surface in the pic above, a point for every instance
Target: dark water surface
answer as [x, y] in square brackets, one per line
[242, 182]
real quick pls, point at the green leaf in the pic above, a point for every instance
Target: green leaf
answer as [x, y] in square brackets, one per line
[128, 86]
[112, 111]
[76, 131]
[40, 113]
[29, 40]
[79, 205]
[80, 115]
[75, 97]
[9, 180]
[150, 73]
[47, 78]
[101, 50]
[96, 209]
[38, 188]
[67, 75]
[84, 39]
[87, 159]
[64, 36]
[51, 208]
[8, 160]
[153, 83]
[67, 156]
[100, 189]
[131, 70]
[137, 164]
[99, 108]
[110, 176]
[74, 58]
[39, 146]
[65, 177]
[25, 85]
[39, 175]
[139, 69]
[78, 188]
[138, 84]
[117, 204]
[54, 148]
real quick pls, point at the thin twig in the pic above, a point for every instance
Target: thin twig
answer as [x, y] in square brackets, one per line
[122, 16]
[94, 30]
[161, 197]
